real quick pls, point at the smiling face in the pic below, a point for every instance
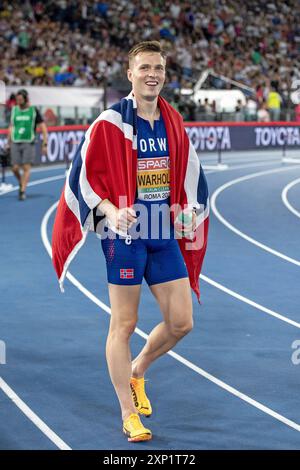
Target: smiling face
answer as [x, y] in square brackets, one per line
[147, 71]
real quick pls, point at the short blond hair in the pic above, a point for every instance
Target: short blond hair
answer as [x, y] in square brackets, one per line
[146, 46]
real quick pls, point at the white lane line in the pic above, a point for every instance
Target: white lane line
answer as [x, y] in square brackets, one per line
[238, 161]
[58, 177]
[238, 232]
[249, 301]
[210, 281]
[285, 200]
[35, 183]
[243, 155]
[41, 425]
[41, 169]
[239, 167]
[176, 356]
[31, 415]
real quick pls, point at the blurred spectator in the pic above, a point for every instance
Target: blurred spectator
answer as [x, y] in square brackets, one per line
[21, 137]
[174, 83]
[85, 42]
[259, 94]
[50, 117]
[244, 41]
[250, 109]
[209, 110]
[263, 114]
[297, 112]
[10, 103]
[175, 101]
[201, 107]
[81, 80]
[191, 110]
[207, 106]
[274, 102]
[239, 111]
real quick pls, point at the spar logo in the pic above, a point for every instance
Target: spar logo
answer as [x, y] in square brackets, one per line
[210, 138]
[276, 136]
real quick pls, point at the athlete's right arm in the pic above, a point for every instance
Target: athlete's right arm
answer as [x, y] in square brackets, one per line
[122, 219]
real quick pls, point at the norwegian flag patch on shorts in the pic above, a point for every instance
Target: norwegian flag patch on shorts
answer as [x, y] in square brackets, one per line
[127, 273]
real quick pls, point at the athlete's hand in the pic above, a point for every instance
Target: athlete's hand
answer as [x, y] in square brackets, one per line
[44, 148]
[185, 224]
[126, 217]
[121, 219]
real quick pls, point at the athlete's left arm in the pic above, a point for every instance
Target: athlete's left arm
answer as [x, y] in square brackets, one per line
[39, 121]
[192, 175]
[191, 180]
[43, 128]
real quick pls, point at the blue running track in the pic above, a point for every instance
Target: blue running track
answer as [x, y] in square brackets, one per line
[230, 384]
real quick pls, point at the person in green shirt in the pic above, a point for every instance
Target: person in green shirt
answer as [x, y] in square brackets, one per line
[21, 139]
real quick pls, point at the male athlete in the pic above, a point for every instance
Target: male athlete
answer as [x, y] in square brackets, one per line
[138, 149]
[21, 139]
[158, 260]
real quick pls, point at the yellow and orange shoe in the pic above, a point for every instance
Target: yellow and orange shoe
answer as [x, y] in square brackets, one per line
[140, 399]
[135, 430]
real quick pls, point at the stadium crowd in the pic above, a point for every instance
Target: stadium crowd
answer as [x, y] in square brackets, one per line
[85, 42]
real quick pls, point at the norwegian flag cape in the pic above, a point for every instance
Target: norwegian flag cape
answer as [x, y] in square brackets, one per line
[105, 167]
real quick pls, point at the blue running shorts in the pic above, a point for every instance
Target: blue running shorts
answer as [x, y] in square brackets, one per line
[155, 260]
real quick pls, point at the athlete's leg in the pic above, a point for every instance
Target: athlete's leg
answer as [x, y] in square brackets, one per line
[175, 301]
[25, 177]
[16, 160]
[124, 302]
[16, 171]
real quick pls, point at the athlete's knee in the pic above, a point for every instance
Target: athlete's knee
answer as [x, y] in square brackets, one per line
[15, 168]
[122, 330]
[26, 168]
[181, 328]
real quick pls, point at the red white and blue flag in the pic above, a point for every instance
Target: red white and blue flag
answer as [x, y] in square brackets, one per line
[127, 273]
[105, 167]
